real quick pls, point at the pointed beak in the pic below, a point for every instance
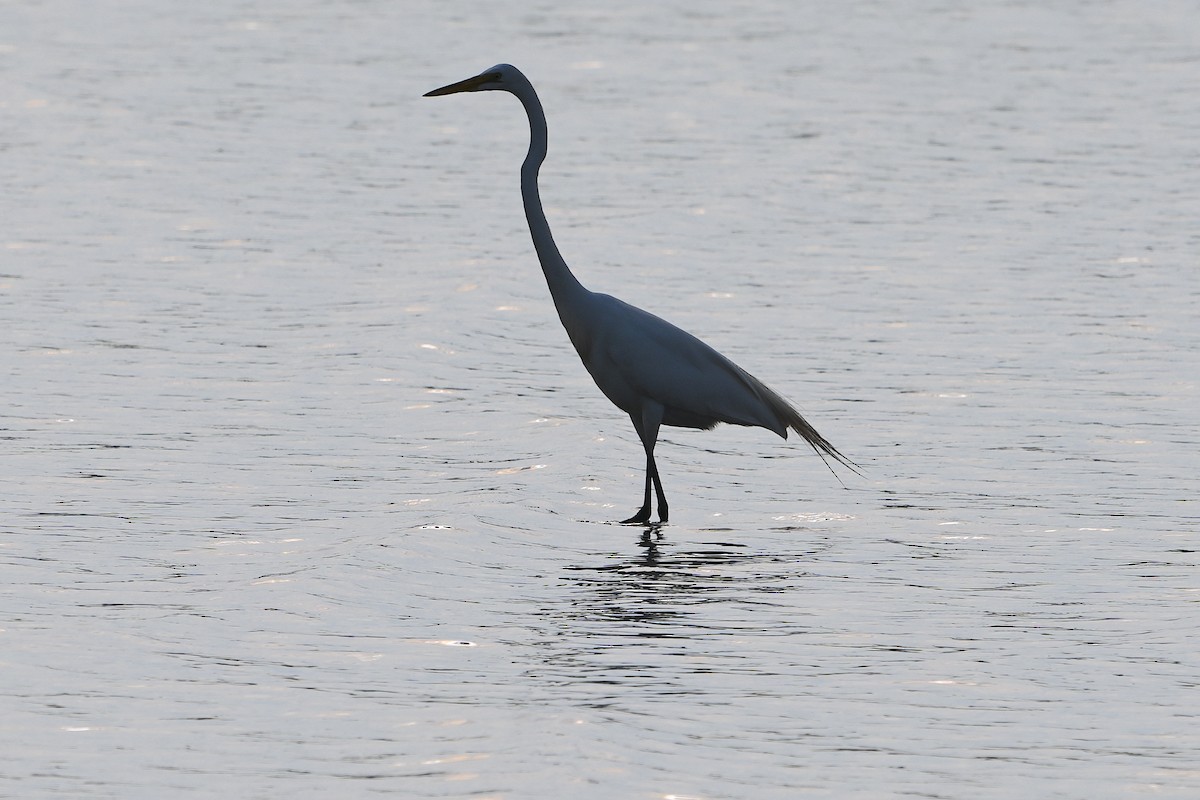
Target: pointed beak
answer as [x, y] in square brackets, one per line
[469, 85]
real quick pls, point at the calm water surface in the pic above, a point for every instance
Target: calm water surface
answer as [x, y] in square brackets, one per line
[306, 494]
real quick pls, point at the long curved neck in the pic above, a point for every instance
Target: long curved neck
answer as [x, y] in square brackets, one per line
[558, 274]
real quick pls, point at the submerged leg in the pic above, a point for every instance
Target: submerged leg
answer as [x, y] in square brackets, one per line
[647, 428]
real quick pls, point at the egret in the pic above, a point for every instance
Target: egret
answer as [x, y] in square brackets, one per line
[655, 372]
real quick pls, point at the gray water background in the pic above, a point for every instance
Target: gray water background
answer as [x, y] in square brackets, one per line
[305, 494]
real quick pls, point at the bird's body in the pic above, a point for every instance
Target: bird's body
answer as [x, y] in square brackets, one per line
[670, 364]
[657, 373]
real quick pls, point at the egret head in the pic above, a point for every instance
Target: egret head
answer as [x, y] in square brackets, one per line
[502, 77]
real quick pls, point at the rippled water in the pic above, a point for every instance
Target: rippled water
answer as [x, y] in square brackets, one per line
[305, 492]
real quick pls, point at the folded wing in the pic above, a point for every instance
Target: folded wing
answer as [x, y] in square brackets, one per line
[640, 356]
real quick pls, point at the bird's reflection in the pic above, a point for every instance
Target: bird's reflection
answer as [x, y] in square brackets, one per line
[662, 581]
[651, 536]
[638, 617]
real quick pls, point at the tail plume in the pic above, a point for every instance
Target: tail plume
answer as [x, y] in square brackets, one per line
[789, 417]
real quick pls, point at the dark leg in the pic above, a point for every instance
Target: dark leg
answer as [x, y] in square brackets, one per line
[647, 428]
[662, 497]
[643, 514]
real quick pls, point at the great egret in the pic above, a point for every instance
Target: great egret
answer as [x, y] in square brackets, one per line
[655, 372]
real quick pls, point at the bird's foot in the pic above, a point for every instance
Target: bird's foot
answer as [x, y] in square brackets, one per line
[642, 517]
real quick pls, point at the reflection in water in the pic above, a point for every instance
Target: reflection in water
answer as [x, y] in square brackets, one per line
[651, 620]
[274, 453]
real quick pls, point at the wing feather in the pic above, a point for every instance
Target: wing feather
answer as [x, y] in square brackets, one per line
[639, 356]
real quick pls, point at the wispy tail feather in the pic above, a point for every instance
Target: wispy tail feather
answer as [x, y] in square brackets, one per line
[789, 417]
[761, 406]
[820, 444]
